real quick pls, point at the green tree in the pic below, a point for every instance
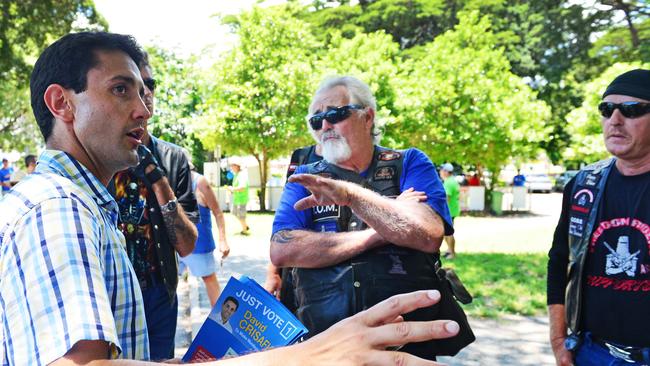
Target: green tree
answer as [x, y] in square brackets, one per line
[584, 123]
[257, 97]
[26, 28]
[178, 99]
[462, 103]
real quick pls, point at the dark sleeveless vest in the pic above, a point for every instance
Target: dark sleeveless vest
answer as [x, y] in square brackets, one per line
[586, 197]
[327, 295]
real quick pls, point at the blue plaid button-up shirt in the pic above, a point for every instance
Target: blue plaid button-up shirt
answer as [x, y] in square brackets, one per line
[65, 274]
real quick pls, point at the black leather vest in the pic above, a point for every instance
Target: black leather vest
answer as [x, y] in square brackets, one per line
[327, 295]
[586, 196]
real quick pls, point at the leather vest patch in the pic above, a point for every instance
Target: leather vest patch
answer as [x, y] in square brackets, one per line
[329, 212]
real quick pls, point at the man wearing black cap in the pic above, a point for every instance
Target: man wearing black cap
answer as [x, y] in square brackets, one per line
[599, 264]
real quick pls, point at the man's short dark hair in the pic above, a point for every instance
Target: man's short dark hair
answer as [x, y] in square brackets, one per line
[67, 61]
[30, 159]
[233, 300]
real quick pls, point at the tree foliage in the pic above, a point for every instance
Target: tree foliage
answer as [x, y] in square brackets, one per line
[462, 103]
[547, 42]
[178, 101]
[26, 28]
[259, 92]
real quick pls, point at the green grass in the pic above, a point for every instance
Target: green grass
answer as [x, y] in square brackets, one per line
[503, 283]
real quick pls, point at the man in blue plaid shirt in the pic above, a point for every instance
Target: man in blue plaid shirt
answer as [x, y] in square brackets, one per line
[68, 294]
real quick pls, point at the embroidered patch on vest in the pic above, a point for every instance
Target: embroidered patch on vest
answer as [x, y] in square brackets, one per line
[583, 199]
[389, 155]
[384, 173]
[591, 180]
[577, 225]
[321, 213]
[325, 175]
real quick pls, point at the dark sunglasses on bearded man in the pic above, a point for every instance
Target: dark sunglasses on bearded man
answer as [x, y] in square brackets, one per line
[628, 109]
[333, 115]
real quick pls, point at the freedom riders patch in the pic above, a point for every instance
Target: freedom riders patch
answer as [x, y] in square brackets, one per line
[384, 173]
[389, 155]
[583, 199]
[322, 213]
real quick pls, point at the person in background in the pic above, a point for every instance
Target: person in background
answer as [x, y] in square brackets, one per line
[452, 189]
[5, 176]
[519, 180]
[30, 165]
[599, 263]
[201, 262]
[157, 214]
[239, 190]
[473, 180]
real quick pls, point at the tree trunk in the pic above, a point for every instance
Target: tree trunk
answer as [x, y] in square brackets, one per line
[263, 166]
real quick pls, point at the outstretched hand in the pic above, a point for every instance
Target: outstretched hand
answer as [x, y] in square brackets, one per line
[324, 191]
[363, 338]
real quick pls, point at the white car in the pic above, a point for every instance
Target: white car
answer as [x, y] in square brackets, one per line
[539, 183]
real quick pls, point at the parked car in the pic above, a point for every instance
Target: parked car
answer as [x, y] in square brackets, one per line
[563, 179]
[539, 183]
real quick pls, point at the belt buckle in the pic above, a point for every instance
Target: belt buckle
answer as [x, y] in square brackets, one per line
[619, 353]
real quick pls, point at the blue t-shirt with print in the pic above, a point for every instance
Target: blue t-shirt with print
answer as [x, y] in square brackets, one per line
[418, 172]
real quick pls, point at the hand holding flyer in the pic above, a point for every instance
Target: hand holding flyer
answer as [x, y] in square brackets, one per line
[245, 319]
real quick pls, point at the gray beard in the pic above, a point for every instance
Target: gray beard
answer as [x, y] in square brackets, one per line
[336, 150]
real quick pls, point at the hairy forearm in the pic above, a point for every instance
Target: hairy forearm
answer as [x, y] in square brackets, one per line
[180, 230]
[182, 233]
[309, 249]
[405, 223]
[557, 321]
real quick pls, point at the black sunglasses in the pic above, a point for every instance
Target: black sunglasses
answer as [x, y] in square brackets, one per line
[628, 109]
[150, 83]
[332, 115]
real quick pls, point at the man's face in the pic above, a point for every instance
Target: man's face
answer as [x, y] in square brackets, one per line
[5, 163]
[109, 116]
[227, 309]
[626, 138]
[340, 140]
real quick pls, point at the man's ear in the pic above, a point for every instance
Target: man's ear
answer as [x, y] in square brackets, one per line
[58, 102]
[370, 117]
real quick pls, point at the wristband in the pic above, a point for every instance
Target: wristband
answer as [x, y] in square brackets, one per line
[154, 175]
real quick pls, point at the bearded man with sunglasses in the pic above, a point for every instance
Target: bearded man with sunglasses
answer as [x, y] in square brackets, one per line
[350, 243]
[599, 264]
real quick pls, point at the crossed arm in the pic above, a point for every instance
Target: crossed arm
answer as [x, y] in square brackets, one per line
[406, 222]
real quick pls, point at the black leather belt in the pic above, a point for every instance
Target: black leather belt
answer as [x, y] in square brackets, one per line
[627, 354]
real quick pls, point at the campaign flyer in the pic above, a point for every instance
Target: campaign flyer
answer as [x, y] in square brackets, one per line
[245, 319]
